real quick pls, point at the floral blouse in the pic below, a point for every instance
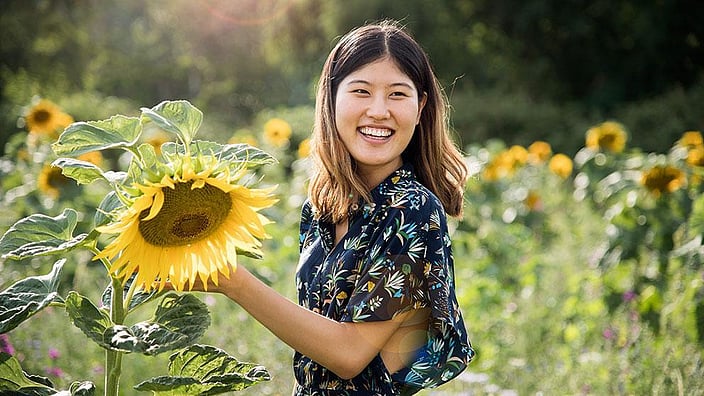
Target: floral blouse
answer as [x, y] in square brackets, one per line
[396, 256]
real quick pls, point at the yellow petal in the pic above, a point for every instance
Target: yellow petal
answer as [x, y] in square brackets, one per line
[156, 205]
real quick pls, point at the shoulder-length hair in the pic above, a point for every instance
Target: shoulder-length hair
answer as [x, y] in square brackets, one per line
[335, 186]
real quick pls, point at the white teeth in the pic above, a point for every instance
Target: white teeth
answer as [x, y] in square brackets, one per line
[382, 133]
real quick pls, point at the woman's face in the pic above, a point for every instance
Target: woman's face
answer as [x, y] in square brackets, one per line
[376, 110]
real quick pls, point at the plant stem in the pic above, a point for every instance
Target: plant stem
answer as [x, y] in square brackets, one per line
[113, 359]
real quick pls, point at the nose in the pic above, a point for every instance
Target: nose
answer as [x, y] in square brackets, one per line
[378, 108]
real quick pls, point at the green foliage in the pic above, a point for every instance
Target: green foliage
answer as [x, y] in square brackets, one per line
[204, 370]
[595, 270]
[29, 296]
[178, 320]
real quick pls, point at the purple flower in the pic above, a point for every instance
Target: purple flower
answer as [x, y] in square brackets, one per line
[55, 371]
[629, 296]
[5, 345]
[609, 333]
[54, 353]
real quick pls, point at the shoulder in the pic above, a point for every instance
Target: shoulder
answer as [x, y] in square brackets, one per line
[413, 198]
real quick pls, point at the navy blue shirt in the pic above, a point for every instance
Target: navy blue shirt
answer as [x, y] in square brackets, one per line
[396, 256]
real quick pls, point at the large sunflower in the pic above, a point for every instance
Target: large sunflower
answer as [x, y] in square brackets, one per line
[188, 226]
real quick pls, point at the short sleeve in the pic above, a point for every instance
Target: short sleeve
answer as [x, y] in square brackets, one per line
[392, 274]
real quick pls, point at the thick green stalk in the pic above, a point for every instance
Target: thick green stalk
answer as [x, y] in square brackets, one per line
[113, 359]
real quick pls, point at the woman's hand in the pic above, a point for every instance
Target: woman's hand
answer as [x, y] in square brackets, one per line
[225, 283]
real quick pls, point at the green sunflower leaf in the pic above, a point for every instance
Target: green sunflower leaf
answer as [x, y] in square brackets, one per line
[39, 234]
[106, 207]
[178, 117]
[205, 370]
[14, 381]
[178, 322]
[82, 388]
[82, 137]
[149, 168]
[240, 155]
[83, 172]
[92, 321]
[28, 296]
[247, 154]
[148, 153]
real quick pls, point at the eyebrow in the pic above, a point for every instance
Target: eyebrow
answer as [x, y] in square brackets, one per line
[396, 84]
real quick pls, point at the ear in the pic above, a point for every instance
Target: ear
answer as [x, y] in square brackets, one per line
[421, 106]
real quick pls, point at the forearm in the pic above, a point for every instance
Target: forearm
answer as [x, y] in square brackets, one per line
[338, 346]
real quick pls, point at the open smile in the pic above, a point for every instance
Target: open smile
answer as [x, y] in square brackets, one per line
[376, 133]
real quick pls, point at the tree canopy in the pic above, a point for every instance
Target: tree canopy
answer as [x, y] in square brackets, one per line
[516, 71]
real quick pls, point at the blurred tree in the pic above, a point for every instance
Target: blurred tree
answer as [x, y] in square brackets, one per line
[603, 52]
[235, 58]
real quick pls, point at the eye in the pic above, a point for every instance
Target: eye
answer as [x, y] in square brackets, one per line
[360, 91]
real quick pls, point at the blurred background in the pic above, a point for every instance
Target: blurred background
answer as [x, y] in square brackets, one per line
[519, 71]
[579, 259]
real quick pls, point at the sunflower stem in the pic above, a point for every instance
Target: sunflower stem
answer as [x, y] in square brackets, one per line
[120, 192]
[128, 298]
[113, 359]
[95, 251]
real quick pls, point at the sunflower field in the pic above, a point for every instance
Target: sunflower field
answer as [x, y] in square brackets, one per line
[577, 274]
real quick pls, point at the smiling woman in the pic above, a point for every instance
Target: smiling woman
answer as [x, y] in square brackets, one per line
[377, 312]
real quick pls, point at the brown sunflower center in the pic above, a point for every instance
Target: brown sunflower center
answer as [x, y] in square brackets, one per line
[188, 215]
[41, 116]
[56, 179]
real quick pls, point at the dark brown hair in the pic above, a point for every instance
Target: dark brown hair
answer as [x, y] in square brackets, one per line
[439, 165]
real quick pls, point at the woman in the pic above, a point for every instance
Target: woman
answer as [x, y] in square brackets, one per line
[377, 312]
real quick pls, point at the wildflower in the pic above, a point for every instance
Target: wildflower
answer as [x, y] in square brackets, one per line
[539, 152]
[609, 135]
[5, 345]
[663, 179]
[304, 148]
[629, 296]
[277, 132]
[561, 165]
[54, 353]
[54, 371]
[189, 225]
[46, 118]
